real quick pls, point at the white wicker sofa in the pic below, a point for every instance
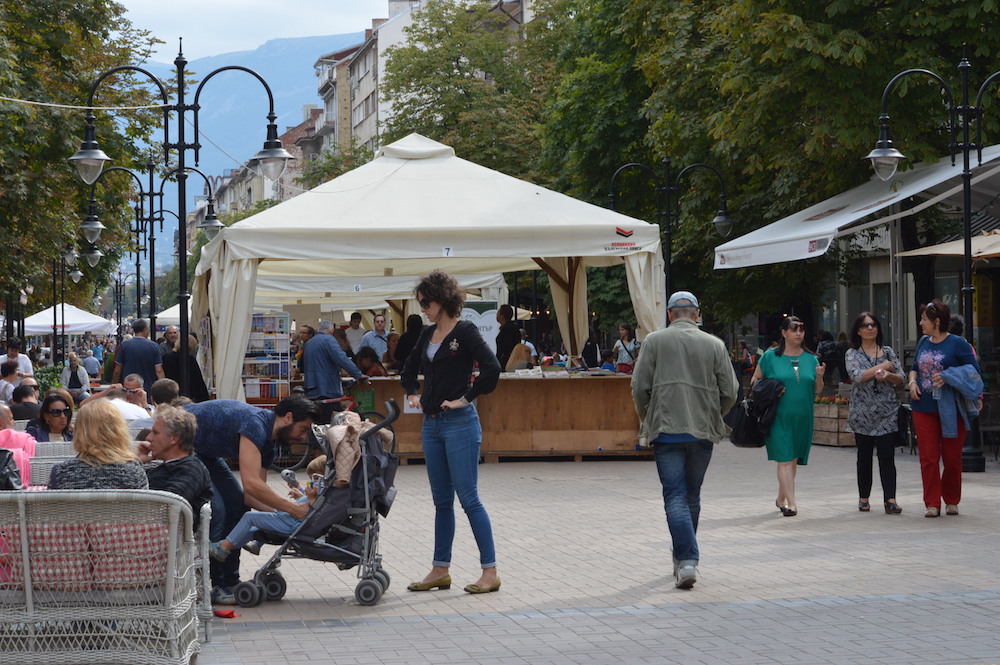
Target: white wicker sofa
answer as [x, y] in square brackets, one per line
[95, 576]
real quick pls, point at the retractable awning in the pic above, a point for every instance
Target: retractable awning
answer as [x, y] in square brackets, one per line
[810, 232]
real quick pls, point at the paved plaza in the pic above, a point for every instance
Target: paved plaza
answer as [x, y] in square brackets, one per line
[585, 561]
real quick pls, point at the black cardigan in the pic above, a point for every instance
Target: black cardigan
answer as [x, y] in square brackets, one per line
[449, 376]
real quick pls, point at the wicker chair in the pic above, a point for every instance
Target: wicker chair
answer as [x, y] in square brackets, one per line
[97, 576]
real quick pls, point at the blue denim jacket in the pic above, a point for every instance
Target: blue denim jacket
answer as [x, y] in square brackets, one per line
[959, 396]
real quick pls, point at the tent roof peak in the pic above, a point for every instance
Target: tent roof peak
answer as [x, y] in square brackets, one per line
[416, 146]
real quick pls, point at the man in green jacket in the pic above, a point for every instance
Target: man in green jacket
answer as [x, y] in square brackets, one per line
[682, 385]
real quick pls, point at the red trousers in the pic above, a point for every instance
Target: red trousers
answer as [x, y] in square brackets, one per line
[934, 449]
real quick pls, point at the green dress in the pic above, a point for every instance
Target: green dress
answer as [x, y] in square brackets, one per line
[792, 431]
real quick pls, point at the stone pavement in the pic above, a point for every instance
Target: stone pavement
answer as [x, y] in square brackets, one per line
[585, 561]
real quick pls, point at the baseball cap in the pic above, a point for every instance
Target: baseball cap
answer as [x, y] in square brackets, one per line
[682, 299]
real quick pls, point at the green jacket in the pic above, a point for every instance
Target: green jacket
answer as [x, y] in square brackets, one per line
[684, 382]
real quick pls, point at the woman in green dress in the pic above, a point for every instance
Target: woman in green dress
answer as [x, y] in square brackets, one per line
[800, 372]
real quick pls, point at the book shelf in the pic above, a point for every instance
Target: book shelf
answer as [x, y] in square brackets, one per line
[267, 361]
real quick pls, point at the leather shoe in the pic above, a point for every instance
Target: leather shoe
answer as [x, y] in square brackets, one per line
[475, 588]
[951, 509]
[932, 511]
[440, 583]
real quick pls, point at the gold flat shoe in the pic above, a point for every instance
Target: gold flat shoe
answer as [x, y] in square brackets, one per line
[440, 583]
[475, 588]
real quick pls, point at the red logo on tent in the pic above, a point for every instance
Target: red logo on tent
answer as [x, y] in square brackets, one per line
[623, 233]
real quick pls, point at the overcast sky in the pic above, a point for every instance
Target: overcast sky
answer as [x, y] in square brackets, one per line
[211, 27]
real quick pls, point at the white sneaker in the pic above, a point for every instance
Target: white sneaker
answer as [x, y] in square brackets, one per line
[686, 575]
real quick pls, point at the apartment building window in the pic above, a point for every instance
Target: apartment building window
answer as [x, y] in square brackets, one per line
[363, 110]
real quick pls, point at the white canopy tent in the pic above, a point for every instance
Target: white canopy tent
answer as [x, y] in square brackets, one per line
[810, 232]
[171, 316]
[77, 322]
[417, 207]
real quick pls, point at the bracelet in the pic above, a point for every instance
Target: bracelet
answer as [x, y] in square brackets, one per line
[912, 381]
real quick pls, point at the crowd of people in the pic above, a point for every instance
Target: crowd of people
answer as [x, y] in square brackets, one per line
[683, 384]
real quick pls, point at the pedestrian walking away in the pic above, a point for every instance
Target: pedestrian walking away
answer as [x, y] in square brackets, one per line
[683, 384]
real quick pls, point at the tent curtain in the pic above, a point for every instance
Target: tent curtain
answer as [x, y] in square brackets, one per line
[641, 272]
[229, 285]
[568, 283]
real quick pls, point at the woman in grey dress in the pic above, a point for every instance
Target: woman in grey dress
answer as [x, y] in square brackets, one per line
[875, 371]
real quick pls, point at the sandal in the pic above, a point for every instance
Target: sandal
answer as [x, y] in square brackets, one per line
[216, 552]
[864, 506]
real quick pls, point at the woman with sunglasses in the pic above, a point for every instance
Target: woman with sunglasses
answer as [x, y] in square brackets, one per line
[875, 371]
[54, 419]
[800, 372]
[445, 354]
[938, 439]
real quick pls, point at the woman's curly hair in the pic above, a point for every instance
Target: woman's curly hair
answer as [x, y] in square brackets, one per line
[444, 290]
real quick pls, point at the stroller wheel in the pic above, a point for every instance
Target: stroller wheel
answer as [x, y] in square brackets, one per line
[382, 577]
[248, 594]
[274, 586]
[368, 592]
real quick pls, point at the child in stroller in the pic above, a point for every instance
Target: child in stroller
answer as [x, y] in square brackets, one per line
[242, 534]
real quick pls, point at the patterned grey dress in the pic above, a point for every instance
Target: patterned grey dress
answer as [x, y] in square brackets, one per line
[873, 403]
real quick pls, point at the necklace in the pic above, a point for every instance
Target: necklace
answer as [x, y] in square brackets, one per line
[795, 366]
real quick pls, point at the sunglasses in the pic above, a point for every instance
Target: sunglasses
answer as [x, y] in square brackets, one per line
[795, 327]
[55, 413]
[132, 391]
[868, 325]
[424, 302]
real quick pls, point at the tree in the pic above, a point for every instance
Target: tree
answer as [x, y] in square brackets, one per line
[464, 78]
[50, 52]
[333, 163]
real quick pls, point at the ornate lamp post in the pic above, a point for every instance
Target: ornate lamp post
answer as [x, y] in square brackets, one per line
[885, 158]
[90, 159]
[668, 205]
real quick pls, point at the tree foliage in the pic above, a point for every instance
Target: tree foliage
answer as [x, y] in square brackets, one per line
[334, 163]
[51, 51]
[781, 97]
[464, 80]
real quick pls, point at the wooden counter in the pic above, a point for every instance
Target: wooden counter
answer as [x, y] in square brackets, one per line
[570, 417]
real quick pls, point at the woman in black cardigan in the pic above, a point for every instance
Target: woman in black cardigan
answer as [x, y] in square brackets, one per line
[445, 354]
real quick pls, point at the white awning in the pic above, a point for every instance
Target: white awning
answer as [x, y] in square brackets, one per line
[810, 232]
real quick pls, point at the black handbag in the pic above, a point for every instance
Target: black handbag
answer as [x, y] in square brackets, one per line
[746, 428]
[10, 476]
[903, 426]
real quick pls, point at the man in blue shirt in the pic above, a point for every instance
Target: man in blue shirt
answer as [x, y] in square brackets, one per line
[139, 355]
[377, 339]
[322, 360]
[230, 429]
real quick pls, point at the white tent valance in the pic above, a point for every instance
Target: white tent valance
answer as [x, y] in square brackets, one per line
[77, 322]
[417, 207]
[810, 232]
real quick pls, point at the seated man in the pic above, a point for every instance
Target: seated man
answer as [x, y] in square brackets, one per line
[172, 442]
[164, 391]
[129, 398]
[24, 401]
[75, 380]
[92, 364]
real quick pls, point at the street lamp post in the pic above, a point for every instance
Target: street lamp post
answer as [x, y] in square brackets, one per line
[885, 159]
[668, 206]
[68, 258]
[90, 159]
[148, 213]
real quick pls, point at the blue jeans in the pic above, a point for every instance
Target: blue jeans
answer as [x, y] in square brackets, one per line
[227, 509]
[451, 442]
[277, 521]
[682, 469]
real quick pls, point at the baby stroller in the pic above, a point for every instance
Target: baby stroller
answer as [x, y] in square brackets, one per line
[341, 527]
